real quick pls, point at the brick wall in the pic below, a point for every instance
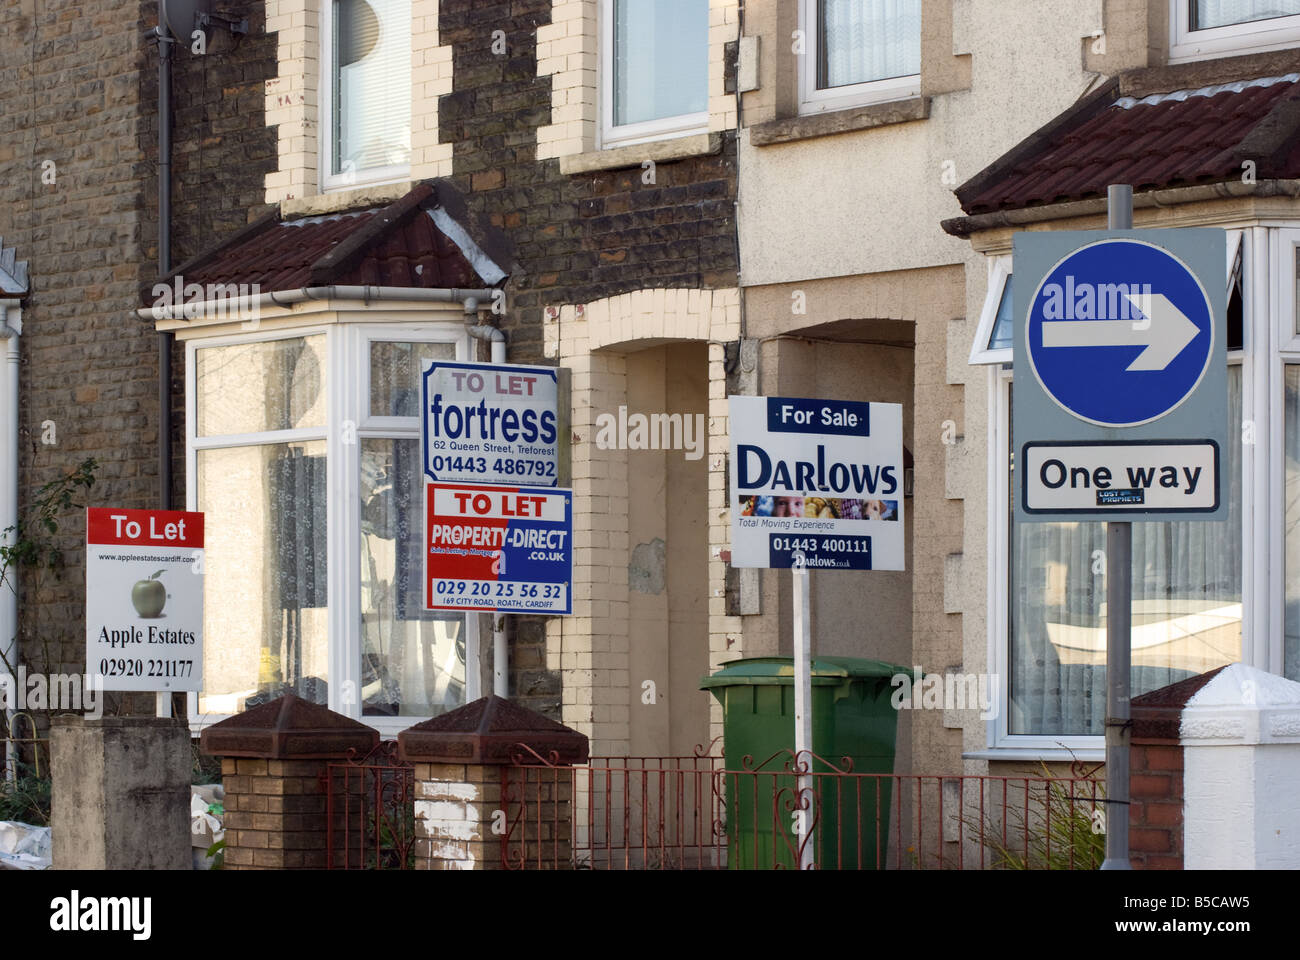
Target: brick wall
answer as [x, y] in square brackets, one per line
[1156, 804]
[576, 239]
[78, 88]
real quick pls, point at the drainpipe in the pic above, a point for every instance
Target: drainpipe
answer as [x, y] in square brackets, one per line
[500, 652]
[8, 518]
[164, 40]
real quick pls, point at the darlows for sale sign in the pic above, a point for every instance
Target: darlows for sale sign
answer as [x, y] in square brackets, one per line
[816, 480]
[144, 598]
[498, 548]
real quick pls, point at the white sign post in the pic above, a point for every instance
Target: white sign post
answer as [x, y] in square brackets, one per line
[144, 599]
[814, 483]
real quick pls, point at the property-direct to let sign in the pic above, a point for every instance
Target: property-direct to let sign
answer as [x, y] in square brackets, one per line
[490, 423]
[498, 548]
[816, 480]
[144, 598]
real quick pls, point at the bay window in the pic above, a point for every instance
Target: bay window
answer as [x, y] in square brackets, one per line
[654, 69]
[365, 91]
[1196, 605]
[1216, 28]
[304, 453]
[857, 52]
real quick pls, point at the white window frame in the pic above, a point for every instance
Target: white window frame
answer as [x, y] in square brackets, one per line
[1285, 352]
[813, 100]
[627, 134]
[347, 385]
[1186, 44]
[980, 352]
[1262, 598]
[330, 181]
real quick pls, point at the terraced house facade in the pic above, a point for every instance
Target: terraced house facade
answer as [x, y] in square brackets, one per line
[677, 202]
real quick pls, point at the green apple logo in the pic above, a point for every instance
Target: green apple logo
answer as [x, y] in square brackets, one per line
[149, 596]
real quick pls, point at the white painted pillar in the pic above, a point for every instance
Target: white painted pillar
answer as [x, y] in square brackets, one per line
[1241, 772]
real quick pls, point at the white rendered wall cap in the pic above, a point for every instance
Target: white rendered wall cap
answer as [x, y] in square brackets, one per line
[1238, 685]
[1241, 706]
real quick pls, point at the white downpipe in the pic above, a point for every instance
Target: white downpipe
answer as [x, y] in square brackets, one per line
[9, 517]
[500, 651]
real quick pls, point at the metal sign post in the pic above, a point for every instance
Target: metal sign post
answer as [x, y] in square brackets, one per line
[803, 712]
[1119, 413]
[1119, 623]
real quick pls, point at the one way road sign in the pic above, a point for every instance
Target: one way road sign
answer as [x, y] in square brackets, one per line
[1120, 341]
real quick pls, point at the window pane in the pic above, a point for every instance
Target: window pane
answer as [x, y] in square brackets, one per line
[862, 40]
[412, 660]
[1291, 421]
[1186, 606]
[1220, 13]
[395, 375]
[372, 84]
[1001, 337]
[251, 387]
[265, 617]
[661, 59]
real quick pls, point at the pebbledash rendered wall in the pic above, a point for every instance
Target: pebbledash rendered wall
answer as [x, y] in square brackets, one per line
[78, 202]
[623, 268]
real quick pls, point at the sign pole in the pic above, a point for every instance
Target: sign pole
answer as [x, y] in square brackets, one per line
[1119, 622]
[802, 710]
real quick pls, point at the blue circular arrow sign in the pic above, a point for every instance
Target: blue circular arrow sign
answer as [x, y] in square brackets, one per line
[1120, 332]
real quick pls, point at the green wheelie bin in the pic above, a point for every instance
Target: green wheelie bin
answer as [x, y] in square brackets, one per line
[852, 717]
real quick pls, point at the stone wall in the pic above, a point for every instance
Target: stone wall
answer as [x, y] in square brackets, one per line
[78, 189]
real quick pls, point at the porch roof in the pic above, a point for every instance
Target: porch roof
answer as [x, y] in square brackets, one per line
[1154, 130]
[412, 242]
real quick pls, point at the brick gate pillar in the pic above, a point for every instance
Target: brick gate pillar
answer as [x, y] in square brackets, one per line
[471, 800]
[274, 761]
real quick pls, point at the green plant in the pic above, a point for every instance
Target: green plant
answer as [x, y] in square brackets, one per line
[1057, 831]
[25, 798]
[34, 548]
[206, 770]
[217, 854]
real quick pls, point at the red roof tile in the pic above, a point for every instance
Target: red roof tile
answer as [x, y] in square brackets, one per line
[1164, 140]
[395, 246]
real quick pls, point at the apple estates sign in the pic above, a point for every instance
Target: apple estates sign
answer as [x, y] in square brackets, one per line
[144, 598]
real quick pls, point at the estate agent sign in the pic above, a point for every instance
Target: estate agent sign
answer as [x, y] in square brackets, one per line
[144, 598]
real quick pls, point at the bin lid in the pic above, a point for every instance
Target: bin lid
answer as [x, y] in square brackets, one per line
[824, 671]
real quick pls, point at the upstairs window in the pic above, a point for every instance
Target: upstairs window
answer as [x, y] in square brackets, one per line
[654, 66]
[366, 92]
[857, 52]
[1218, 28]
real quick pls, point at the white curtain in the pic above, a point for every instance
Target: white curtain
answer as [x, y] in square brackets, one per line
[372, 91]
[1186, 605]
[1207, 14]
[862, 40]
[1291, 422]
[661, 59]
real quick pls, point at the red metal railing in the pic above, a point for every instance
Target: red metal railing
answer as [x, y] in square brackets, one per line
[369, 810]
[693, 813]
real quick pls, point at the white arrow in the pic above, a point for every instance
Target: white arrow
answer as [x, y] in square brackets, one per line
[1165, 332]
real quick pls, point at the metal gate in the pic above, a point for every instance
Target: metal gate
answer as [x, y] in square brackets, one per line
[370, 811]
